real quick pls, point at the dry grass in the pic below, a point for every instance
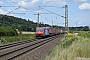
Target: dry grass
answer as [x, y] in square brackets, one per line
[71, 48]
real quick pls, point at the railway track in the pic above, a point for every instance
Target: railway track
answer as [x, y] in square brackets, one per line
[15, 44]
[11, 51]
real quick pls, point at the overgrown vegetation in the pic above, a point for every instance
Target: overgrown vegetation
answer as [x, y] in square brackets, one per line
[9, 35]
[20, 37]
[85, 34]
[7, 31]
[71, 48]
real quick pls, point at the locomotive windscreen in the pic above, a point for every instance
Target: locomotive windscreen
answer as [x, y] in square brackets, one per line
[39, 29]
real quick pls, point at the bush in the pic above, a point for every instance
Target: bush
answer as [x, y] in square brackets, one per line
[7, 31]
[69, 35]
[86, 28]
[85, 34]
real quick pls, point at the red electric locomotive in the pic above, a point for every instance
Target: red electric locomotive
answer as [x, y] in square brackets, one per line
[42, 31]
[46, 31]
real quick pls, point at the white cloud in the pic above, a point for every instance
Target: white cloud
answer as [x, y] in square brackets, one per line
[38, 11]
[2, 11]
[84, 6]
[35, 1]
[33, 20]
[80, 22]
[30, 4]
[33, 4]
[15, 0]
[1, 2]
[78, 0]
[54, 2]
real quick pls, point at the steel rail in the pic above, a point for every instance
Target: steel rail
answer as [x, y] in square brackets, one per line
[25, 49]
[16, 44]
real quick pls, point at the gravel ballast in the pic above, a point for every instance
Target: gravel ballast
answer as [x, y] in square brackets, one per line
[39, 53]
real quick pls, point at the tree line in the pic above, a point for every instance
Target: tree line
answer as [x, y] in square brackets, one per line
[19, 23]
[8, 24]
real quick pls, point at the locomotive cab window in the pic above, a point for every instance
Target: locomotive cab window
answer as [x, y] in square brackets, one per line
[39, 29]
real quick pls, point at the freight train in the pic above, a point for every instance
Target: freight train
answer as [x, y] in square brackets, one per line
[47, 31]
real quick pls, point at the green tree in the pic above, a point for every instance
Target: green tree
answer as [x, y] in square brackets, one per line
[7, 31]
[86, 28]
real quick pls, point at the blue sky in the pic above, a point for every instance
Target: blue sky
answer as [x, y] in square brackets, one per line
[78, 10]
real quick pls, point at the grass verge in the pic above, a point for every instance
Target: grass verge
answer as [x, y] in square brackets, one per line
[70, 49]
[20, 37]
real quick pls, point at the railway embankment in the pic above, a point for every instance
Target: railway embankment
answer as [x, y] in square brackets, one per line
[29, 50]
[40, 52]
[75, 47]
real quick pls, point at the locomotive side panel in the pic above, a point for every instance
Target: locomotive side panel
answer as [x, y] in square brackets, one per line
[46, 31]
[50, 30]
[54, 30]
